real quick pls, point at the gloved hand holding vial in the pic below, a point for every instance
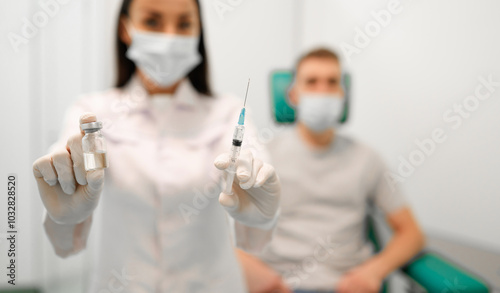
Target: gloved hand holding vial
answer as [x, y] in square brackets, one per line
[68, 191]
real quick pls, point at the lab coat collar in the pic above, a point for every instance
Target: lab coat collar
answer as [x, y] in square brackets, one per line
[139, 99]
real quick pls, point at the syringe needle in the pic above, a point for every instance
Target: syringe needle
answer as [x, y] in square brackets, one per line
[246, 94]
[239, 130]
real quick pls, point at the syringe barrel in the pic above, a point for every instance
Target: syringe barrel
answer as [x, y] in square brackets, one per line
[228, 188]
[231, 170]
[239, 131]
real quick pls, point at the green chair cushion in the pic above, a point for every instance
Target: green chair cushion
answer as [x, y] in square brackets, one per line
[436, 274]
[280, 82]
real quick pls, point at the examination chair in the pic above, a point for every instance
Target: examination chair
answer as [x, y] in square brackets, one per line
[428, 271]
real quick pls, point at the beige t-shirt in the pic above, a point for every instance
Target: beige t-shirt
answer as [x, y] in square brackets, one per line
[321, 233]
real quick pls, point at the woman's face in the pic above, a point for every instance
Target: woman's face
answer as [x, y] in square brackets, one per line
[179, 17]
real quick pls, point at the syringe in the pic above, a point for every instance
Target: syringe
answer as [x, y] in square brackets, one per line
[239, 130]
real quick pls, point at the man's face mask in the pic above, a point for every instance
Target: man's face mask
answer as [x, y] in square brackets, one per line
[164, 58]
[320, 112]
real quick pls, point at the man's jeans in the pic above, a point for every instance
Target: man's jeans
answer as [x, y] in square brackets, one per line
[309, 291]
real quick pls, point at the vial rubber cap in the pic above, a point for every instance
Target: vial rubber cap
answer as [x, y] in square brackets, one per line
[92, 126]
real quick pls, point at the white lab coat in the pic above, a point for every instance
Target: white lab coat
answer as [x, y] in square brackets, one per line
[163, 229]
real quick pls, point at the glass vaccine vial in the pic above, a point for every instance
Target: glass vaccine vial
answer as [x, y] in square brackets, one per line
[94, 147]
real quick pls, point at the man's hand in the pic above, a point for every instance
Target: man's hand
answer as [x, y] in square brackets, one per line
[362, 279]
[260, 278]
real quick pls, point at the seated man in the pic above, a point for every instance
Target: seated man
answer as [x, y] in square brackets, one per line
[320, 243]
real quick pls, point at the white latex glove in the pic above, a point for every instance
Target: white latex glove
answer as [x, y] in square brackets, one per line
[70, 194]
[256, 191]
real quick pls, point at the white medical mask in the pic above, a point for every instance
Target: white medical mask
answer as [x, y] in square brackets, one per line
[320, 112]
[164, 58]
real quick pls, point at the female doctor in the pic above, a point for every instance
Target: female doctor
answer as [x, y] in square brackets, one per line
[162, 229]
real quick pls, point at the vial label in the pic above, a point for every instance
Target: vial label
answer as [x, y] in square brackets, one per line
[95, 161]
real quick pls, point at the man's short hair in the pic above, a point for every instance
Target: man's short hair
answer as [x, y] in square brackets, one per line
[317, 53]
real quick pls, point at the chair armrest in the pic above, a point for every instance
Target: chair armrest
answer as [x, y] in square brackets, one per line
[436, 274]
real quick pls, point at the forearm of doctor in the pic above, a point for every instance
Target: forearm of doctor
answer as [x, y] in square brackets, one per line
[67, 239]
[407, 241]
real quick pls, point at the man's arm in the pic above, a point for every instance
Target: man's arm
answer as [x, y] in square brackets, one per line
[407, 241]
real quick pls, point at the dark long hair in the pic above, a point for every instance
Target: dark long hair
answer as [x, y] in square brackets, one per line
[126, 67]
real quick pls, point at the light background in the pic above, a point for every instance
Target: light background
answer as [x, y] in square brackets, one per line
[427, 59]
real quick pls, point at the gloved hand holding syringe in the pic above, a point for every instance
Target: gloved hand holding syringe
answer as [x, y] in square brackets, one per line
[239, 131]
[253, 198]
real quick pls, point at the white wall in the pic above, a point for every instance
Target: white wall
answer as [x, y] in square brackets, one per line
[15, 148]
[250, 41]
[427, 59]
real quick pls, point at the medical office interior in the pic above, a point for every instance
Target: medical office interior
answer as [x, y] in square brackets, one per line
[414, 72]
